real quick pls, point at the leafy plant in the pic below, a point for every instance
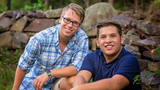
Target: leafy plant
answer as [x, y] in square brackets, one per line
[36, 6]
[137, 79]
[8, 62]
[156, 52]
[9, 57]
[91, 80]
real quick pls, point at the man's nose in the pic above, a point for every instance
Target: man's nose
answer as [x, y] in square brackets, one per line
[70, 24]
[108, 40]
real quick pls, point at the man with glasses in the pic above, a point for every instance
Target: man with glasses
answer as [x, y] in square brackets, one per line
[54, 56]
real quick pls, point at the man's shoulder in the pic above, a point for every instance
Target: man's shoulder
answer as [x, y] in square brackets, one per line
[47, 32]
[125, 53]
[81, 33]
[50, 30]
[127, 57]
[94, 54]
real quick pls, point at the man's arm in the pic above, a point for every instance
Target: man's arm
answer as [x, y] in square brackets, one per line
[18, 78]
[82, 77]
[117, 82]
[62, 72]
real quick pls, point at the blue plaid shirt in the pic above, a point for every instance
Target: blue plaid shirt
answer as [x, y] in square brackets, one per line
[43, 53]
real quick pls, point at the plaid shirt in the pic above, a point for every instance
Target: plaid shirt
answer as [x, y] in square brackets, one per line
[43, 53]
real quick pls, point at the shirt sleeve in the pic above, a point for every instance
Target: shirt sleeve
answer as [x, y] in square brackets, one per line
[87, 63]
[129, 68]
[82, 49]
[31, 52]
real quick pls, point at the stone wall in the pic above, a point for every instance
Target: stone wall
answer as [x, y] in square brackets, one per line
[140, 37]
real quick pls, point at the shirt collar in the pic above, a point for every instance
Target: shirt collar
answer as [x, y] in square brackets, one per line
[57, 35]
[123, 52]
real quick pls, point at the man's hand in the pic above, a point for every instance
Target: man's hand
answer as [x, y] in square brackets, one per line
[40, 80]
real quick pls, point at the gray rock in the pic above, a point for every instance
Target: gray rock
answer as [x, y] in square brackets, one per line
[96, 13]
[126, 39]
[153, 30]
[6, 40]
[19, 40]
[5, 24]
[144, 64]
[20, 24]
[2, 15]
[154, 65]
[55, 13]
[57, 22]
[147, 42]
[94, 45]
[123, 20]
[134, 50]
[150, 78]
[147, 55]
[39, 24]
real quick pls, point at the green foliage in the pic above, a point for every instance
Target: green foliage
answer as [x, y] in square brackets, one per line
[3, 6]
[8, 62]
[155, 71]
[156, 52]
[91, 80]
[137, 79]
[7, 76]
[156, 4]
[54, 4]
[36, 6]
[119, 6]
[18, 4]
[7, 57]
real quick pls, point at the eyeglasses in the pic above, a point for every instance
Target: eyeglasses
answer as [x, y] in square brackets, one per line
[68, 21]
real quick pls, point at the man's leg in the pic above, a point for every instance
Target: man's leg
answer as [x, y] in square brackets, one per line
[64, 83]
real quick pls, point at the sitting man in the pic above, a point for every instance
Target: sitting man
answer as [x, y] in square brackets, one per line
[54, 53]
[111, 67]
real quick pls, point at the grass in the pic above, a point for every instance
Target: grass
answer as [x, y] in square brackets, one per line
[8, 63]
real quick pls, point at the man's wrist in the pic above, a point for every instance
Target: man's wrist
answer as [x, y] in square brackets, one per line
[49, 73]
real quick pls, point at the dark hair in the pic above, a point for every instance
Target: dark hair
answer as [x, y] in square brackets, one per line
[76, 8]
[106, 23]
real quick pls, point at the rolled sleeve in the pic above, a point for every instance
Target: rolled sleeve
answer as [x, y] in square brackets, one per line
[30, 54]
[82, 50]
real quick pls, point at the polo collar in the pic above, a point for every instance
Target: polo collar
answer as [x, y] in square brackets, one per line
[123, 52]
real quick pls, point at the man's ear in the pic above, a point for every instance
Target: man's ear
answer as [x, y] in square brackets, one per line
[97, 42]
[122, 41]
[80, 25]
[60, 20]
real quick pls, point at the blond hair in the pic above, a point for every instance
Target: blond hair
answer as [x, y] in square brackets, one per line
[76, 8]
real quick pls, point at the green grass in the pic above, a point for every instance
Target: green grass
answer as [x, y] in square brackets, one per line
[8, 63]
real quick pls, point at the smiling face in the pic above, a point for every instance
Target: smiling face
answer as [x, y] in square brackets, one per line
[68, 30]
[109, 41]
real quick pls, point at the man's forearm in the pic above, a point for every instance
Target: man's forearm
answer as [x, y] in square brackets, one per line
[64, 72]
[117, 82]
[18, 78]
[78, 81]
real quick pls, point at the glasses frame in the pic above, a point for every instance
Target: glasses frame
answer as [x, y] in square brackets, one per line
[70, 22]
